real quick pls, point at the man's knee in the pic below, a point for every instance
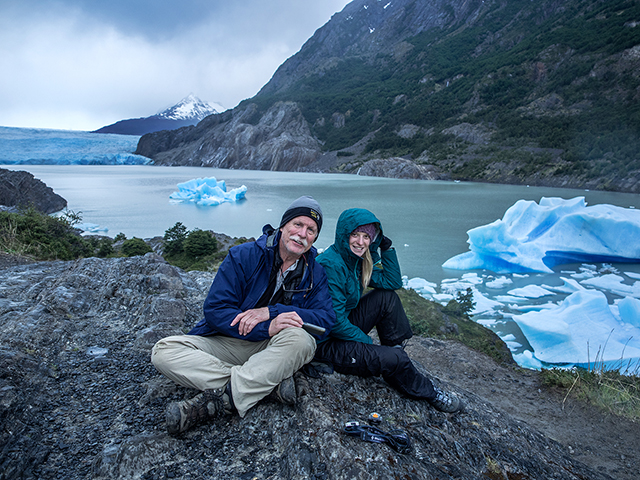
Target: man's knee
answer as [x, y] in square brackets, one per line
[163, 351]
[296, 339]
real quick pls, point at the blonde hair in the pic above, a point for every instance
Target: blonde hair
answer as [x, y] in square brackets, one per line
[367, 268]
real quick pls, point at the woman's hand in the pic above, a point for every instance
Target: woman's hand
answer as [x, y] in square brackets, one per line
[385, 243]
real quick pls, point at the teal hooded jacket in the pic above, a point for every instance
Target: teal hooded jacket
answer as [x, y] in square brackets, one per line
[344, 272]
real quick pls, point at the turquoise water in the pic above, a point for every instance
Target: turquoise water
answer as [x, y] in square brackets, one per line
[427, 221]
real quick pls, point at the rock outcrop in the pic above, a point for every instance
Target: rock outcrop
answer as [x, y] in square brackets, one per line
[245, 138]
[400, 168]
[22, 189]
[79, 397]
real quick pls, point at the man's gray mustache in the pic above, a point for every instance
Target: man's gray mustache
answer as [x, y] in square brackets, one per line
[296, 238]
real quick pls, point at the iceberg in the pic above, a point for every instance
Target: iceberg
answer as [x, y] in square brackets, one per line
[629, 309]
[535, 237]
[614, 284]
[530, 291]
[582, 329]
[527, 360]
[207, 192]
[90, 228]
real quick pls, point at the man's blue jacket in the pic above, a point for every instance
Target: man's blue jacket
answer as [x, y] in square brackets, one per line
[242, 279]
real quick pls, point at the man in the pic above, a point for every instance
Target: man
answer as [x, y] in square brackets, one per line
[251, 340]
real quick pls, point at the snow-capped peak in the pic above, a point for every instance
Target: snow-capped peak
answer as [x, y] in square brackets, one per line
[190, 107]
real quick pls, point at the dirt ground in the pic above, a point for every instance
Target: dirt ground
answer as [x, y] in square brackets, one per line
[605, 442]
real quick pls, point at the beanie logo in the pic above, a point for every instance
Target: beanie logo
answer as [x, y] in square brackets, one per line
[314, 214]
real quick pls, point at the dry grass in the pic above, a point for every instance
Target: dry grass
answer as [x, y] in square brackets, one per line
[614, 389]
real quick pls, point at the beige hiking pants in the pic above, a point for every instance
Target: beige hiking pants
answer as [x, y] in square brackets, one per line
[253, 368]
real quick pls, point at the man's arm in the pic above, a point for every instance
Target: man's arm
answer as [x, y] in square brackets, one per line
[232, 294]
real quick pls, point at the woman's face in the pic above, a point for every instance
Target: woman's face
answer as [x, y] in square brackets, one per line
[359, 242]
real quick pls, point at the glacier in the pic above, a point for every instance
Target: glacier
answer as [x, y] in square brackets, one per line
[37, 146]
[587, 315]
[535, 237]
[207, 192]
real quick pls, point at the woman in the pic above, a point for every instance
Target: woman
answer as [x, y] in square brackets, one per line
[352, 264]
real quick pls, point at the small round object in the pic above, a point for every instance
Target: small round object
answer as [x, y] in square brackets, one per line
[375, 417]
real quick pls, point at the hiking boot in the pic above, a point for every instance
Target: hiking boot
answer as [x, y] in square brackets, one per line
[285, 392]
[181, 416]
[446, 402]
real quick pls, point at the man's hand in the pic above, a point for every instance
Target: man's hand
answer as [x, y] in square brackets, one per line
[284, 320]
[249, 319]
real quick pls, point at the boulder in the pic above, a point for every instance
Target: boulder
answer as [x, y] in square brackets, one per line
[22, 189]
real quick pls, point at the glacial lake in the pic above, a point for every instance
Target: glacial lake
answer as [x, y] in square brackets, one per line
[427, 221]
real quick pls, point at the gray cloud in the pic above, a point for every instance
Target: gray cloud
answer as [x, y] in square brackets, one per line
[82, 64]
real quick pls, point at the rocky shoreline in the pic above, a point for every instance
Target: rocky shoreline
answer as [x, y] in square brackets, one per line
[79, 397]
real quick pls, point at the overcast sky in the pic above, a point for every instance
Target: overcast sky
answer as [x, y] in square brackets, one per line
[84, 64]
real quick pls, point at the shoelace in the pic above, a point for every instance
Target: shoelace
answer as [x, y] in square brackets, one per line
[397, 439]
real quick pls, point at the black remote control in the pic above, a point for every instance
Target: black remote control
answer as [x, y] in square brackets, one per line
[313, 329]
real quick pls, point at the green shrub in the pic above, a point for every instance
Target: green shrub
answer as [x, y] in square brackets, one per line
[43, 237]
[607, 389]
[134, 247]
[429, 319]
[174, 239]
[462, 305]
[200, 243]
[105, 248]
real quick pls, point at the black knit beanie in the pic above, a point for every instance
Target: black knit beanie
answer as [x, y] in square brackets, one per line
[303, 206]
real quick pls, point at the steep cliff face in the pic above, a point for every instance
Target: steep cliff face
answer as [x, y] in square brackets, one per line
[278, 139]
[365, 29]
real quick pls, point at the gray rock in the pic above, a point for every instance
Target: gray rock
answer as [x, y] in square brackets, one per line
[278, 139]
[22, 189]
[67, 414]
[396, 167]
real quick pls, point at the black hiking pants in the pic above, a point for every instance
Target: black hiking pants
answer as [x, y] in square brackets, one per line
[381, 309]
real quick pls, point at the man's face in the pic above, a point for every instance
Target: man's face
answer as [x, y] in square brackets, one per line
[298, 235]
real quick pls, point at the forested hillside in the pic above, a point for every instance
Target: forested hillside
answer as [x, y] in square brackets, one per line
[538, 92]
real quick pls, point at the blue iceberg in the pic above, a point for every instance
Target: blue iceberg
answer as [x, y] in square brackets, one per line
[207, 192]
[91, 228]
[583, 329]
[592, 318]
[536, 237]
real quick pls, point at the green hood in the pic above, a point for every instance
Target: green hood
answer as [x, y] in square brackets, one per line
[349, 220]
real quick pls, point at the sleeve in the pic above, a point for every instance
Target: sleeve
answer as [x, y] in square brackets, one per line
[313, 307]
[386, 271]
[231, 293]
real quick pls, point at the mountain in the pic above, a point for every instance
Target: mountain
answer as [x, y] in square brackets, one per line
[188, 111]
[541, 92]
